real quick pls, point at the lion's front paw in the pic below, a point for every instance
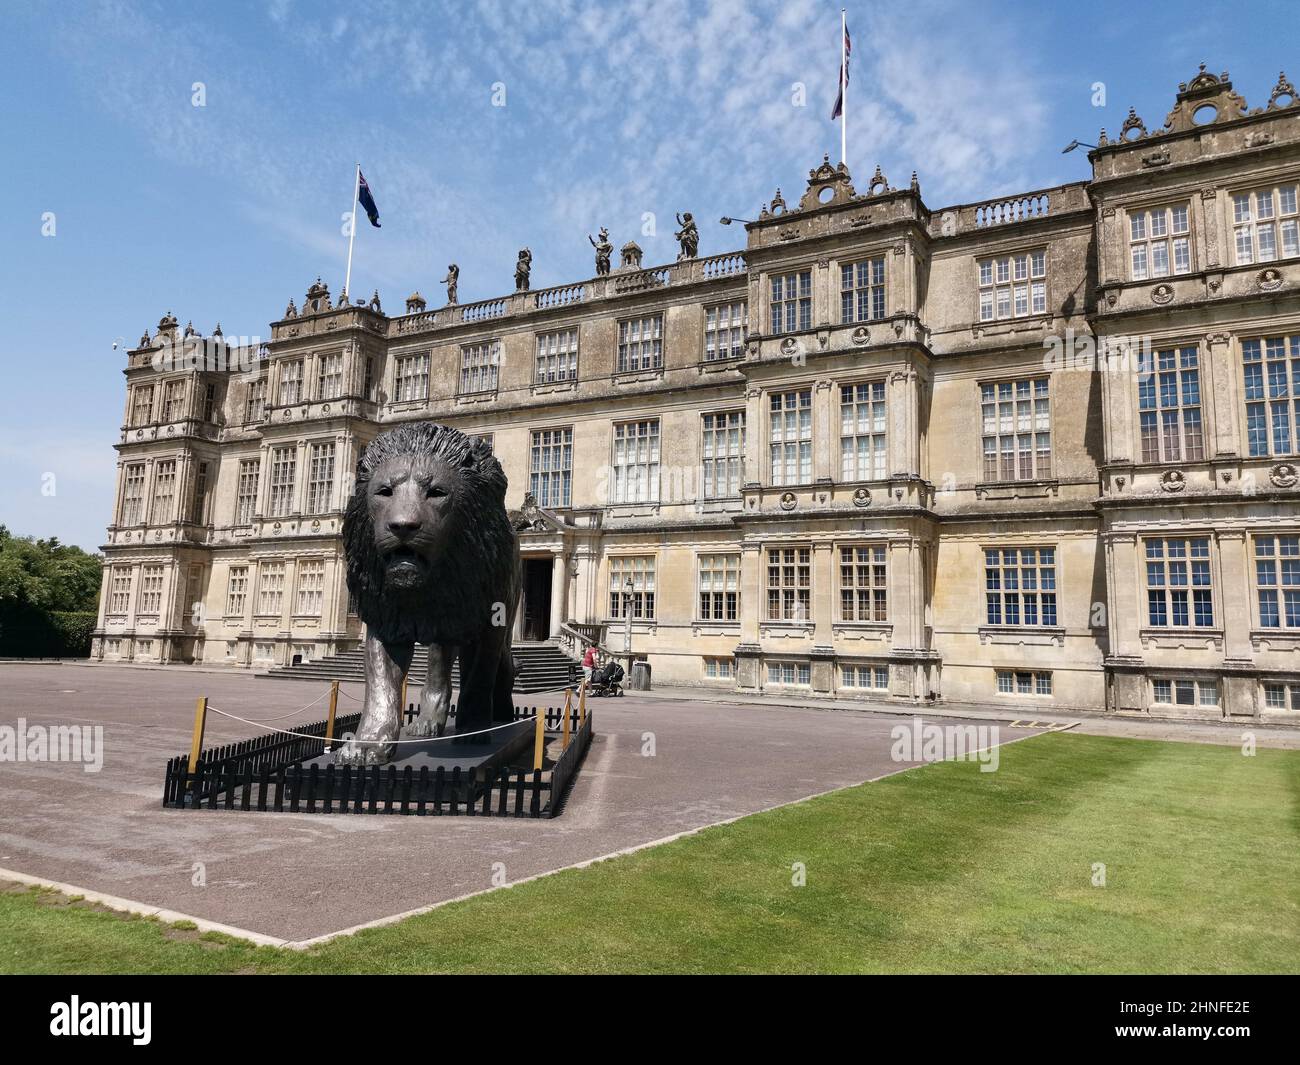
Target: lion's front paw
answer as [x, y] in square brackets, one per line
[426, 725]
[364, 754]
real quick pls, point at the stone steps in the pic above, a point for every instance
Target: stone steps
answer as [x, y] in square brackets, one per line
[542, 667]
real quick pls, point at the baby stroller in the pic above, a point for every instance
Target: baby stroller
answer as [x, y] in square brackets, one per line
[606, 680]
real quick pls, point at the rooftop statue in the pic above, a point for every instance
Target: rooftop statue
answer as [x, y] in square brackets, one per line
[688, 236]
[604, 249]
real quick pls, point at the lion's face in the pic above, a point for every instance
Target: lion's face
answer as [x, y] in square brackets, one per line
[412, 500]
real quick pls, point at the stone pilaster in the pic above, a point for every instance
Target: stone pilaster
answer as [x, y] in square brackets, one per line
[1220, 395]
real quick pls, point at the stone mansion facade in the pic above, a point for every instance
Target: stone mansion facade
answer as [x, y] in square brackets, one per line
[1036, 452]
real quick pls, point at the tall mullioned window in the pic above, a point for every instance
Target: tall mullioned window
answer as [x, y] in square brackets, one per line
[329, 384]
[719, 587]
[141, 404]
[1020, 585]
[255, 401]
[270, 589]
[368, 379]
[1179, 587]
[290, 383]
[151, 582]
[862, 431]
[789, 583]
[722, 451]
[864, 583]
[726, 327]
[209, 402]
[119, 590]
[480, 365]
[164, 492]
[790, 306]
[636, 461]
[1272, 387]
[1277, 581]
[173, 402]
[133, 494]
[862, 291]
[557, 356]
[320, 477]
[412, 381]
[1264, 224]
[246, 491]
[1169, 405]
[236, 591]
[284, 467]
[790, 437]
[640, 569]
[1160, 242]
[641, 343]
[311, 588]
[1016, 420]
[550, 467]
[1013, 286]
[199, 501]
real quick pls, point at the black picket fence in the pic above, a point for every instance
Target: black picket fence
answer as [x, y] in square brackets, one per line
[266, 774]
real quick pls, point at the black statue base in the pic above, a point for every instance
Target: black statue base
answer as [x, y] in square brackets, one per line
[488, 775]
[486, 753]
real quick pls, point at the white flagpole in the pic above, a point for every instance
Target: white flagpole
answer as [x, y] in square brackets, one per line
[356, 193]
[844, 87]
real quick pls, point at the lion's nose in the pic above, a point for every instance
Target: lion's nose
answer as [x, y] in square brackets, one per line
[403, 527]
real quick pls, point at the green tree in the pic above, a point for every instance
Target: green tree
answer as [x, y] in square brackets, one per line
[40, 579]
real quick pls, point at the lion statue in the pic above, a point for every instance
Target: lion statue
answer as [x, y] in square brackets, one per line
[432, 559]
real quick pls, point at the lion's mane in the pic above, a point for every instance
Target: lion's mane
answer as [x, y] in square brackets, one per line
[478, 569]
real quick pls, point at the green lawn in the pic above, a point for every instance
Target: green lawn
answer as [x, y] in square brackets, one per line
[940, 869]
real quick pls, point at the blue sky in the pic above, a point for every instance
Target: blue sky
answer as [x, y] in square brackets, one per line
[224, 212]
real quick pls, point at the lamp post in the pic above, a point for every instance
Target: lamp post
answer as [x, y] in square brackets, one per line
[726, 221]
[627, 625]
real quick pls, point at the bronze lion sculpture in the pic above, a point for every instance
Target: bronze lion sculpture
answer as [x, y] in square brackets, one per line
[431, 559]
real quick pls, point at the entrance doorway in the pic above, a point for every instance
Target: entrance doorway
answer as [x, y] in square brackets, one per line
[537, 598]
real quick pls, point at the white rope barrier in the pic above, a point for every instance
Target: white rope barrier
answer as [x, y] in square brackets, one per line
[294, 713]
[378, 743]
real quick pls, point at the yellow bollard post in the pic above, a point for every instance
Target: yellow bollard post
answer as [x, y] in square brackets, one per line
[539, 737]
[582, 704]
[200, 721]
[329, 723]
[568, 714]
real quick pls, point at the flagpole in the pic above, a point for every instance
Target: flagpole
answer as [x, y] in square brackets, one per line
[356, 191]
[844, 87]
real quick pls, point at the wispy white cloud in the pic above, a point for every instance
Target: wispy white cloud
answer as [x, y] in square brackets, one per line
[613, 111]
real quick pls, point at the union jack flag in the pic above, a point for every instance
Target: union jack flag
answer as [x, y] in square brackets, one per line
[844, 76]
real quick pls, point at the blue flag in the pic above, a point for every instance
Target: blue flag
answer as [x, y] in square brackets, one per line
[367, 201]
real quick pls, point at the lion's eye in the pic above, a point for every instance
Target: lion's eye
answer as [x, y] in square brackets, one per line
[386, 490]
[435, 492]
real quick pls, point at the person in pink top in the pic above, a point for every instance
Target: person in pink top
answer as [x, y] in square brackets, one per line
[589, 662]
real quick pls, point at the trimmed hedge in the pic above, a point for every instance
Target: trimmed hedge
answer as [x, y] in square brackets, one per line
[26, 632]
